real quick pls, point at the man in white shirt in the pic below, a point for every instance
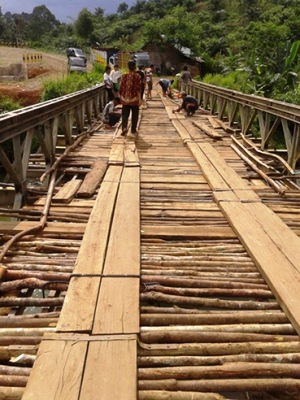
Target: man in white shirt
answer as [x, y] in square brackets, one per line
[110, 115]
[115, 76]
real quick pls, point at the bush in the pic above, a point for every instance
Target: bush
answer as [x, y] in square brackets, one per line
[236, 80]
[8, 104]
[292, 96]
[72, 83]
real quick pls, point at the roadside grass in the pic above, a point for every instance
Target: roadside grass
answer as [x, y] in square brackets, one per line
[72, 83]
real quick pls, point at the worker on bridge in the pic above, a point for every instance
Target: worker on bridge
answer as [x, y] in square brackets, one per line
[110, 115]
[165, 84]
[189, 104]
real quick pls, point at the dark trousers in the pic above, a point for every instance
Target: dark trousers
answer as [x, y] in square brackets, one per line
[113, 119]
[142, 91]
[110, 94]
[134, 117]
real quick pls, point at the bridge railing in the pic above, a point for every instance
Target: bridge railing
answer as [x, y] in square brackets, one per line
[68, 115]
[253, 113]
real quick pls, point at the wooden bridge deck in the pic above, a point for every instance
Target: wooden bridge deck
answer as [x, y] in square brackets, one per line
[177, 279]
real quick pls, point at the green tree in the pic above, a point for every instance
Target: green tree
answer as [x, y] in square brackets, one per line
[122, 8]
[41, 22]
[84, 25]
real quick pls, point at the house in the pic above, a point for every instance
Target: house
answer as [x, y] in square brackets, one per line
[166, 55]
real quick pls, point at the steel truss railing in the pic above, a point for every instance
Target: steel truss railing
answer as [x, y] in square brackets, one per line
[253, 113]
[66, 116]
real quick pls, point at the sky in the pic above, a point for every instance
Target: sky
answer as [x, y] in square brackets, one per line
[64, 10]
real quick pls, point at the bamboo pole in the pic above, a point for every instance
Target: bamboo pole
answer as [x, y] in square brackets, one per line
[279, 188]
[229, 370]
[32, 283]
[46, 276]
[223, 385]
[20, 340]
[65, 153]
[275, 329]
[261, 294]
[13, 380]
[158, 395]
[198, 283]
[36, 228]
[11, 393]
[31, 302]
[216, 349]
[167, 336]
[29, 321]
[169, 361]
[8, 370]
[204, 302]
[25, 332]
[23, 359]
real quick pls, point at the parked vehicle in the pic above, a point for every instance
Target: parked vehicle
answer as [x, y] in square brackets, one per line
[111, 57]
[104, 57]
[76, 64]
[78, 53]
[141, 58]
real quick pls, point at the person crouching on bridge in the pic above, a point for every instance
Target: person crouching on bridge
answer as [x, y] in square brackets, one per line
[110, 115]
[130, 94]
[165, 84]
[189, 104]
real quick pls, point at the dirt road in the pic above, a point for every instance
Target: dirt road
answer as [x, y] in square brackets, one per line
[28, 91]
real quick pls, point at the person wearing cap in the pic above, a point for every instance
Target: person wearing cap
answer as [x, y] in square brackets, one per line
[165, 84]
[130, 95]
[189, 104]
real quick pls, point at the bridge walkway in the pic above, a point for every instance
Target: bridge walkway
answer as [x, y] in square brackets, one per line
[177, 279]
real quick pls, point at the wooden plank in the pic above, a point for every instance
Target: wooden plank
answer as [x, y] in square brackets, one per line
[123, 252]
[67, 192]
[179, 205]
[279, 273]
[233, 180]
[117, 309]
[57, 371]
[214, 179]
[224, 195]
[192, 178]
[247, 195]
[52, 227]
[130, 153]
[110, 371]
[116, 154]
[213, 122]
[208, 131]
[181, 213]
[74, 202]
[285, 239]
[176, 186]
[77, 300]
[182, 131]
[203, 231]
[92, 251]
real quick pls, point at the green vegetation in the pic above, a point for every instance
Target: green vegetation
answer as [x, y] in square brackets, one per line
[8, 104]
[72, 83]
[250, 46]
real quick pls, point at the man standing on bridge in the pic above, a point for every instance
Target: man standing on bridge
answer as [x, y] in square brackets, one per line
[130, 94]
[189, 104]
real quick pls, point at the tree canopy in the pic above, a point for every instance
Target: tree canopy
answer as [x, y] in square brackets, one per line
[256, 37]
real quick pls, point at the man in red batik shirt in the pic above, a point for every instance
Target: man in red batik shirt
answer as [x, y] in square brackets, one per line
[130, 95]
